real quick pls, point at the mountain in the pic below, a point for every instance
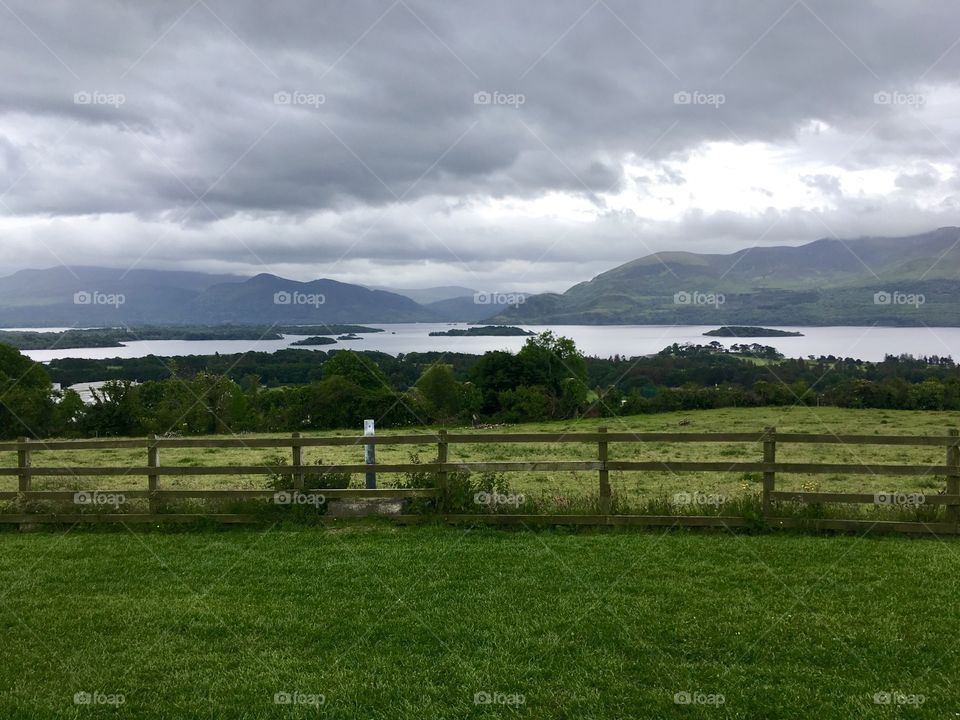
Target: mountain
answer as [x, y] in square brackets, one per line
[93, 296]
[425, 296]
[268, 298]
[912, 280]
[472, 308]
[98, 296]
[452, 303]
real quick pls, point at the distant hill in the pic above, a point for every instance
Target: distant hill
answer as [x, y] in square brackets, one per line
[268, 298]
[472, 308]
[425, 296]
[903, 281]
[93, 296]
[86, 296]
[453, 303]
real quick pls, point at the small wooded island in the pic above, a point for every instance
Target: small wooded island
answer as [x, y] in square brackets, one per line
[486, 330]
[315, 340]
[119, 337]
[746, 331]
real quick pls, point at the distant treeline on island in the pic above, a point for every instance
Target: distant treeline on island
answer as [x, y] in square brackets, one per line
[747, 331]
[485, 331]
[117, 337]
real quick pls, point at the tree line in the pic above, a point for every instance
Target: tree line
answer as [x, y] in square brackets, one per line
[549, 378]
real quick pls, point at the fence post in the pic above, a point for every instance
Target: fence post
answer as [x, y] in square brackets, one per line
[603, 456]
[24, 461]
[370, 453]
[298, 475]
[153, 461]
[443, 454]
[769, 477]
[953, 474]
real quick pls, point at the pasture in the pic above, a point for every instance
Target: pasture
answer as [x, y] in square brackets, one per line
[576, 491]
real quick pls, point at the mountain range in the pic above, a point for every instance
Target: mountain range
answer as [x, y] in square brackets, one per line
[897, 281]
[95, 296]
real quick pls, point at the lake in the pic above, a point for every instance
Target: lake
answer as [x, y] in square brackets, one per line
[866, 343]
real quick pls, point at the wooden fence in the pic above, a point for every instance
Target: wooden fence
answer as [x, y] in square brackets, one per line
[767, 441]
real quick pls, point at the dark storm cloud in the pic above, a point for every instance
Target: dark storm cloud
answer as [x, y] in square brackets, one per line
[195, 112]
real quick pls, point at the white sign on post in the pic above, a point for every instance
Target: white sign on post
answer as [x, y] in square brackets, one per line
[370, 453]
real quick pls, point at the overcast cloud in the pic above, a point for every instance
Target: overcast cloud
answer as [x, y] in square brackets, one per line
[510, 145]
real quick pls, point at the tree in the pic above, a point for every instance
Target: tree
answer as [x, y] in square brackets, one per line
[116, 410]
[526, 404]
[440, 392]
[68, 413]
[358, 369]
[548, 360]
[26, 401]
[555, 364]
[493, 373]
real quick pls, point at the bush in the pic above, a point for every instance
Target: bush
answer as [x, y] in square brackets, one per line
[471, 494]
[311, 480]
[466, 493]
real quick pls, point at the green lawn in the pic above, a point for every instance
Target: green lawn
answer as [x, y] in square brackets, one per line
[415, 622]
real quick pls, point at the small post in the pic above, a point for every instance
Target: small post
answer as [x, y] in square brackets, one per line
[370, 453]
[24, 461]
[769, 477]
[298, 475]
[603, 456]
[443, 455]
[153, 461]
[953, 474]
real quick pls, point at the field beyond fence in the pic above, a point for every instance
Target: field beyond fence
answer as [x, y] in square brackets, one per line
[439, 480]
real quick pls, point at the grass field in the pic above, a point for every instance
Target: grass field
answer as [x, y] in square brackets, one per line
[561, 490]
[380, 622]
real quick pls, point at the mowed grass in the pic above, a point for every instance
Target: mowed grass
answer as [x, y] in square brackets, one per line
[560, 489]
[397, 623]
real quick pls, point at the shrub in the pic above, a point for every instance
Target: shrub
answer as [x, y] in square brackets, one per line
[311, 480]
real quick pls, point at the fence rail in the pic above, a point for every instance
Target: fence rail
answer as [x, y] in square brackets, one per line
[768, 440]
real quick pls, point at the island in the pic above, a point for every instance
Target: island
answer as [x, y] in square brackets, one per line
[315, 340]
[486, 330]
[119, 337]
[332, 329]
[746, 331]
[349, 336]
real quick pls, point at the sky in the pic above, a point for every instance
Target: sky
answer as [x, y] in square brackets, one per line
[510, 145]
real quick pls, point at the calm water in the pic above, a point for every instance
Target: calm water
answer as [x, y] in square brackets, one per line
[867, 343]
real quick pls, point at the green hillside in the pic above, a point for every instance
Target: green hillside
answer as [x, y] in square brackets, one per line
[907, 281]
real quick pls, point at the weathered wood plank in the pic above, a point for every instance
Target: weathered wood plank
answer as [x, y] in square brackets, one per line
[127, 518]
[179, 470]
[603, 456]
[830, 439]
[651, 520]
[521, 466]
[869, 498]
[864, 526]
[329, 493]
[595, 437]
[953, 473]
[769, 476]
[359, 440]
